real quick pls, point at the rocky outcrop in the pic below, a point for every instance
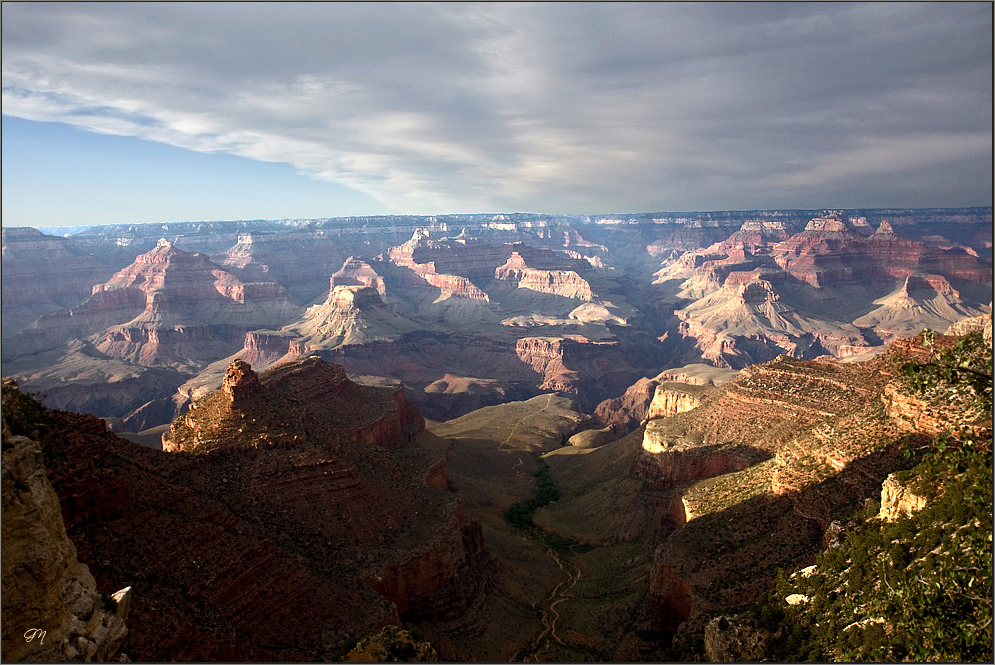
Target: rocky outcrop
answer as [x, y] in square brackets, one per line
[757, 463]
[565, 283]
[633, 407]
[745, 323]
[293, 520]
[240, 381]
[589, 369]
[263, 348]
[627, 411]
[356, 272]
[52, 610]
[681, 460]
[898, 500]
[669, 399]
[981, 323]
[303, 391]
[350, 315]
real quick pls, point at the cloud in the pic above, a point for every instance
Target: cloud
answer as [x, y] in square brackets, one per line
[586, 107]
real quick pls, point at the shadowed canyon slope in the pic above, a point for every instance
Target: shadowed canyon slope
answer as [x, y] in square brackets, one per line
[299, 512]
[297, 497]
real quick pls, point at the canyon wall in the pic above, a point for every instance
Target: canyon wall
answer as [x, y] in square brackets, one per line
[52, 610]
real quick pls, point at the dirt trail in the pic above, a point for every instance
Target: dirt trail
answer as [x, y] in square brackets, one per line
[550, 615]
[504, 443]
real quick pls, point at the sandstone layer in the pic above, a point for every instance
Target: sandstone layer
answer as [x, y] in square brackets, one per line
[52, 610]
[755, 475]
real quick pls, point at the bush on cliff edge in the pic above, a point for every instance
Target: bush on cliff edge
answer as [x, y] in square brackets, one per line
[919, 588]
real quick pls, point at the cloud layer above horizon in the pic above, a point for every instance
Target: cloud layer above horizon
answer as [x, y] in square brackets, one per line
[559, 107]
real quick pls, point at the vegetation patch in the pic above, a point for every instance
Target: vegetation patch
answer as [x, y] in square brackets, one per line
[547, 490]
[25, 416]
[918, 588]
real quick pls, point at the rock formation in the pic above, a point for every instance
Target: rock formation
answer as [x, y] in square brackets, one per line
[791, 440]
[153, 324]
[633, 407]
[304, 500]
[52, 610]
[356, 272]
[744, 292]
[831, 289]
[669, 399]
[350, 315]
[299, 260]
[922, 301]
[447, 267]
[565, 283]
[898, 500]
[168, 308]
[43, 275]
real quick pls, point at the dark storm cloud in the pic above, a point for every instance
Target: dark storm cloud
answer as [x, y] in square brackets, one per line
[587, 107]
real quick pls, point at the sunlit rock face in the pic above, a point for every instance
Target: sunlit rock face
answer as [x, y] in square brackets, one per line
[52, 610]
[835, 288]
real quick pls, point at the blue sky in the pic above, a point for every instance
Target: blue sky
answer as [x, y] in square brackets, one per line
[140, 112]
[56, 174]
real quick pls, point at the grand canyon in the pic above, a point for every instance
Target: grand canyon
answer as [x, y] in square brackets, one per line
[505, 437]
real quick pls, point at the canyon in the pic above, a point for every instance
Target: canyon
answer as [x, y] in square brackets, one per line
[132, 322]
[335, 418]
[294, 489]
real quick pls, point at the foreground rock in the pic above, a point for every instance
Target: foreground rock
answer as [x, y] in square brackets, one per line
[299, 499]
[52, 610]
[753, 477]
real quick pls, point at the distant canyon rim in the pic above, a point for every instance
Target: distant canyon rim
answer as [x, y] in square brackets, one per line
[132, 322]
[466, 438]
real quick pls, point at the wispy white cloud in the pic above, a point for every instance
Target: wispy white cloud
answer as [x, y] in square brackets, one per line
[559, 107]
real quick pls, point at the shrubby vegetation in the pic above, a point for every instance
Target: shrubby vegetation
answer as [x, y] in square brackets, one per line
[547, 490]
[393, 644]
[521, 513]
[919, 588]
[25, 416]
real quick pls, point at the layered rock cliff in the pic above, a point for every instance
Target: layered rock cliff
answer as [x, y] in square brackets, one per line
[640, 402]
[755, 474]
[350, 315]
[833, 288]
[308, 501]
[300, 260]
[42, 275]
[52, 610]
[565, 283]
[168, 308]
[447, 266]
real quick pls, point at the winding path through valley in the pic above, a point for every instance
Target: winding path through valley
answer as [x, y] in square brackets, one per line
[550, 614]
[504, 443]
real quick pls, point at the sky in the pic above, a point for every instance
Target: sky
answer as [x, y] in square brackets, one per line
[142, 112]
